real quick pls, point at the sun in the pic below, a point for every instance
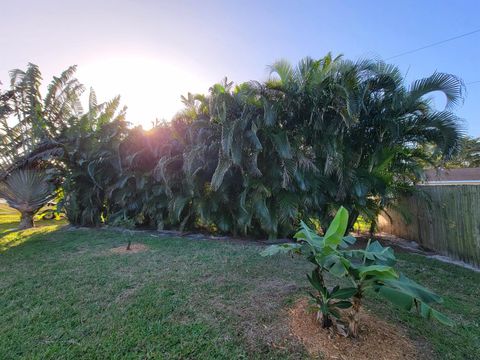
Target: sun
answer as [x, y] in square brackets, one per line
[150, 86]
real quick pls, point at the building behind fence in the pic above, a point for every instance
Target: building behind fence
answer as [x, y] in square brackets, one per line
[446, 218]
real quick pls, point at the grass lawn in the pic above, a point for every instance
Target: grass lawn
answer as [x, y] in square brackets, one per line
[65, 295]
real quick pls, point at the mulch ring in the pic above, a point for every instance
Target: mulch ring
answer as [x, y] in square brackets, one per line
[377, 340]
[134, 248]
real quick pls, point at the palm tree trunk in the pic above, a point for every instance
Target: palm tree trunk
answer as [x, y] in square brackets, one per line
[26, 220]
[373, 228]
[352, 219]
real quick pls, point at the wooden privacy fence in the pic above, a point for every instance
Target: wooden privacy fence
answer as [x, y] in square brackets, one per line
[449, 223]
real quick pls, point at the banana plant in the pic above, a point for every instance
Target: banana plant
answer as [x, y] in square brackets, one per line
[327, 302]
[369, 269]
[322, 252]
[373, 269]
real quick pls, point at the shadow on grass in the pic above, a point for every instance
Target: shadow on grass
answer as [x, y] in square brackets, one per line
[12, 237]
[8, 227]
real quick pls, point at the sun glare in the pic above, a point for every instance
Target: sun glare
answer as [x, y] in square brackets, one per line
[150, 87]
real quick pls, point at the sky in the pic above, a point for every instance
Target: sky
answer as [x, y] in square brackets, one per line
[151, 52]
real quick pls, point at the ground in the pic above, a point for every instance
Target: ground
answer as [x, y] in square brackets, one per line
[68, 294]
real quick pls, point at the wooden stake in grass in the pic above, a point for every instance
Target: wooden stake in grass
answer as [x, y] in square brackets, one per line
[128, 234]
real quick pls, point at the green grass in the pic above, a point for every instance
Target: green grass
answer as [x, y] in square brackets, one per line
[65, 295]
[9, 236]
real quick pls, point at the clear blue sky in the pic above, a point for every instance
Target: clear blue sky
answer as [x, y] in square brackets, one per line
[151, 52]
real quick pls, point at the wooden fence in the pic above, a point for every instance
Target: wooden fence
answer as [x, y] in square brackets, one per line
[448, 223]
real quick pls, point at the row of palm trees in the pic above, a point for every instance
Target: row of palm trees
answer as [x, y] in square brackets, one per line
[248, 159]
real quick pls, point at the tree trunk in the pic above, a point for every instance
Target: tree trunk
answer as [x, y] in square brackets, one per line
[354, 316]
[352, 219]
[26, 220]
[373, 228]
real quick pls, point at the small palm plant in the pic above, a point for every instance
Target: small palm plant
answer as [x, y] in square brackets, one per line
[26, 191]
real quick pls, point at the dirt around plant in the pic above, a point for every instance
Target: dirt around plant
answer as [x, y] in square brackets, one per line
[134, 248]
[378, 340]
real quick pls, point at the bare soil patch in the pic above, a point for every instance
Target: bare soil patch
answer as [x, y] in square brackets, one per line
[134, 248]
[378, 340]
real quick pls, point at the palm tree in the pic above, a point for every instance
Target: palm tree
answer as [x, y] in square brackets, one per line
[250, 159]
[30, 123]
[363, 128]
[27, 191]
[251, 190]
[29, 126]
[88, 151]
[399, 122]
[54, 132]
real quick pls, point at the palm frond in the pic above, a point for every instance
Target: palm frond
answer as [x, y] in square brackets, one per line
[449, 84]
[27, 190]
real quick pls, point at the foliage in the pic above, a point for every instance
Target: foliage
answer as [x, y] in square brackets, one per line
[29, 123]
[468, 156]
[254, 158]
[89, 153]
[251, 159]
[366, 269]
[369, 146]
[79, 149]
[203, 169]
[29, 127]
[27, 191]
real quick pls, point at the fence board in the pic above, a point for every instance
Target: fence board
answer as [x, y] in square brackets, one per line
[449, 223]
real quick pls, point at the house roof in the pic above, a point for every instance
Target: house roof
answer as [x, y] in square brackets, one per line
[446, 176]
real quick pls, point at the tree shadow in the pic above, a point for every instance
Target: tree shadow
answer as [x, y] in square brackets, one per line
[13, 237]
[8, 227]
